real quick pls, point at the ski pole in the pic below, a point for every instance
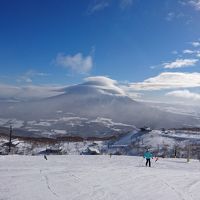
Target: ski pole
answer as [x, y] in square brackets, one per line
[156, 159]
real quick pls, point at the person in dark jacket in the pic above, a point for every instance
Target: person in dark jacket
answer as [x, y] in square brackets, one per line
[148, 157]
[45, 157]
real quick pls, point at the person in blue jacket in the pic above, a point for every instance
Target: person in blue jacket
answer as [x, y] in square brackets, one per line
[148, 157]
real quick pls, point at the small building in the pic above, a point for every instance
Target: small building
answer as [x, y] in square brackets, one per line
[146, 128]
[91, 151]
[51, 151]
[7, 144]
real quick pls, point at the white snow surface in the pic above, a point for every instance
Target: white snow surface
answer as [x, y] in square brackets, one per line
[97, 178]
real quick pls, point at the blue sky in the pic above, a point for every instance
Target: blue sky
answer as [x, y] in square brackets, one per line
[135, 42]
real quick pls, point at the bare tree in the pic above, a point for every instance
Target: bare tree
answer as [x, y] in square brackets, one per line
[10, 139]
[188, 152]
[176, 150]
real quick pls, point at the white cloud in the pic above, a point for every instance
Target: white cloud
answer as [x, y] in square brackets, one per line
[131, 92]
[170, 16]
[195, 4]
[179, 63]
[175, 52]
[194, 52]
[105, 83]
[188, 51]
[97, 5]
[76, 63]
[100, 80]
[111, 86]
[186, 94]
[125, 3]
[28, 92]
[168, 80]
[24, 79]
[32, 92]
[29, 75]
[174, 16]
[195, 44]
[8, 91]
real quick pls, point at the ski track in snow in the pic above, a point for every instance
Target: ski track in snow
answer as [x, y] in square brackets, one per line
[192, 186]
[48, 184]
[179, 194]
[97, 178]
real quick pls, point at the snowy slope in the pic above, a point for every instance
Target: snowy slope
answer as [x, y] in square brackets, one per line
[97, 177]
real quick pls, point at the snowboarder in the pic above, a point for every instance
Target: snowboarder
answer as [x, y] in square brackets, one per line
[148, 157]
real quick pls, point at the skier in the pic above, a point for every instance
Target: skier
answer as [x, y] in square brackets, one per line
[45, 157]
[148, 157]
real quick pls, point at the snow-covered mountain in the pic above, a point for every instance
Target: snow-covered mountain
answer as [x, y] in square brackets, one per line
[76, 108]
